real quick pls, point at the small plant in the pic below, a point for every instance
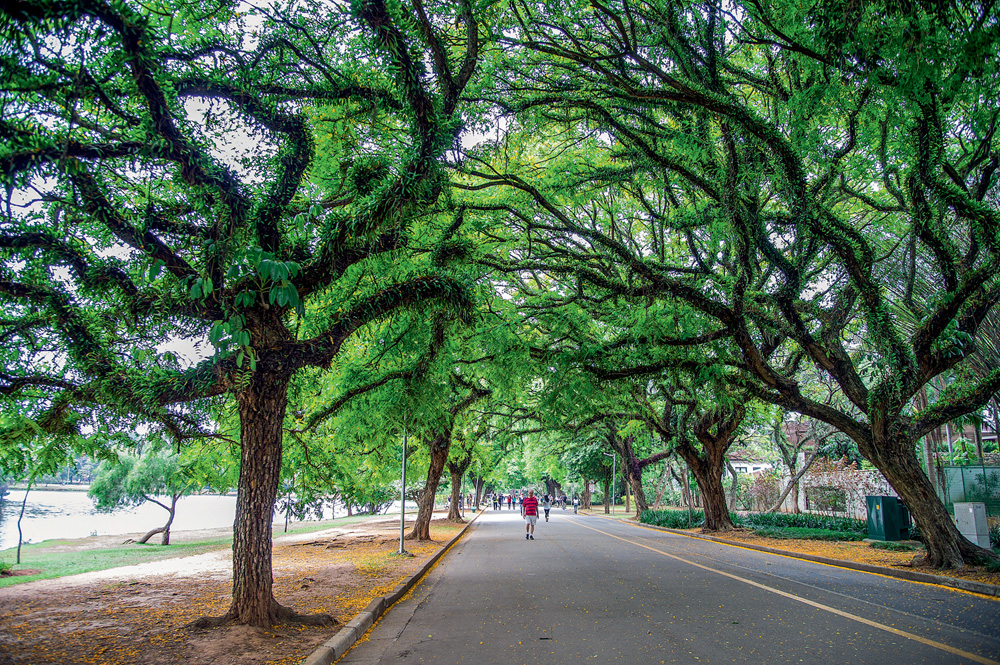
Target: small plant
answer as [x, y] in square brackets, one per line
[891, 546]
[5, 568]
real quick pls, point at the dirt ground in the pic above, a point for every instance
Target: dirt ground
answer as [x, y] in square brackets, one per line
[137, 614]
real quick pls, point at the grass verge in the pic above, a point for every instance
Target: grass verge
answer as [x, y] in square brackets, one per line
[52, 559]
[53, 563]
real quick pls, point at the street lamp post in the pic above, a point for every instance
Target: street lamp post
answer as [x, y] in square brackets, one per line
[402, 497]
[614, 459]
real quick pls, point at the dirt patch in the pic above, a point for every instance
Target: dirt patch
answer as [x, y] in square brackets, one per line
[18, 573]
[137, 614]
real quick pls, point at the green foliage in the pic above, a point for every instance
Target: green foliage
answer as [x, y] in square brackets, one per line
[892, 546]
[132, 480]
[845, 525]
[673, 519]
[776, 525]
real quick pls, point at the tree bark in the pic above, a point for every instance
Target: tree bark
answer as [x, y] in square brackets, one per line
[607, 497]
[585, 501]
[149, 534]
[715, 432]
[20, 533]
[439, 446]
[708, 475]
[635, 484]
[946, 547]
[262, 411]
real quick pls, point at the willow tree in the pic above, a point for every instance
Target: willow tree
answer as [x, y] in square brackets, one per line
[815, 161]
[163, 185]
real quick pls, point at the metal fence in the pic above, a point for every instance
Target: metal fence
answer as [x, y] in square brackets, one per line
[970, 483]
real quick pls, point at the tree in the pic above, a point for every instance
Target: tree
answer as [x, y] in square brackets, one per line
[809, 181]
[132, 480]
[130, 221]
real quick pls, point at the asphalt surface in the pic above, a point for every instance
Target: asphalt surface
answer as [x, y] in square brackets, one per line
[596, 590]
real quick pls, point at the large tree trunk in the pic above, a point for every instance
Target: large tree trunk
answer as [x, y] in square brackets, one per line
[457, 470]
[635, 482]
[439, 456]
[946, 547]
[585, 502]
[454, 514]
[607, 496]
[262, 412]
[708, 475]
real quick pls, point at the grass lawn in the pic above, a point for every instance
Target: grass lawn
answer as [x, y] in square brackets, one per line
[59, 558]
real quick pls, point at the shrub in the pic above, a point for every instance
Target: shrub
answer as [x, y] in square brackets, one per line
[804, 520]
[672, 519]
[5, 568]
[891, 546]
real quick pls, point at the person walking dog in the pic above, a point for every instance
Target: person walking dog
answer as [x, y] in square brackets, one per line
[529, 508]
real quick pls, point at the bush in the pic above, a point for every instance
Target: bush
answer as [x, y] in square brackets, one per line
[5, 568]
[673, 519]
[804, 520]
[891, 546]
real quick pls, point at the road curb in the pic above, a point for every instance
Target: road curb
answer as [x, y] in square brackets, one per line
[337, 646]
[909, 575]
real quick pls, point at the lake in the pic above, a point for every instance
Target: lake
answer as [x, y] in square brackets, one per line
[70, 514]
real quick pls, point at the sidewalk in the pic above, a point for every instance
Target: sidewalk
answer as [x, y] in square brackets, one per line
[853, 555]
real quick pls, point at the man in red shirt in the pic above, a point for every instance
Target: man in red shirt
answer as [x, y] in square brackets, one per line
[529, 508]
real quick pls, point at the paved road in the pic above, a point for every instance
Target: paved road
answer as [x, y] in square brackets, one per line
[589, 589]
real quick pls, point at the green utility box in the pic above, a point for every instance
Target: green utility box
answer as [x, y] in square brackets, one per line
[888, 518]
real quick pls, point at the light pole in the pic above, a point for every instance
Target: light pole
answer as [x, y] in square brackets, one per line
[614, 459]
[402, 496]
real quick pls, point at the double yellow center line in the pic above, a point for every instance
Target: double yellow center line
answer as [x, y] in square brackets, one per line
[820, 606]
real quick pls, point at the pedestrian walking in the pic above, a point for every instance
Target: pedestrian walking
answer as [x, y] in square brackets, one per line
[529, 508]
[547, 505]
[510, 502]
[576, 504]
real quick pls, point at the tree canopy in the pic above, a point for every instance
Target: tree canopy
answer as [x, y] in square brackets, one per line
[638, 225]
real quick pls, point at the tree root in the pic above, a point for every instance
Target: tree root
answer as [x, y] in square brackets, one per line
[281, 615]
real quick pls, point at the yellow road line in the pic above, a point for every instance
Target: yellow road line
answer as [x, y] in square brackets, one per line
[811, 603]
[798, 556]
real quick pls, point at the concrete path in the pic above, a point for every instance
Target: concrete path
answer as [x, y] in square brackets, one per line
[595, 590]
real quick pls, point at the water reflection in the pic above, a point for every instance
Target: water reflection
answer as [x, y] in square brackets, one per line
[71, 514]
